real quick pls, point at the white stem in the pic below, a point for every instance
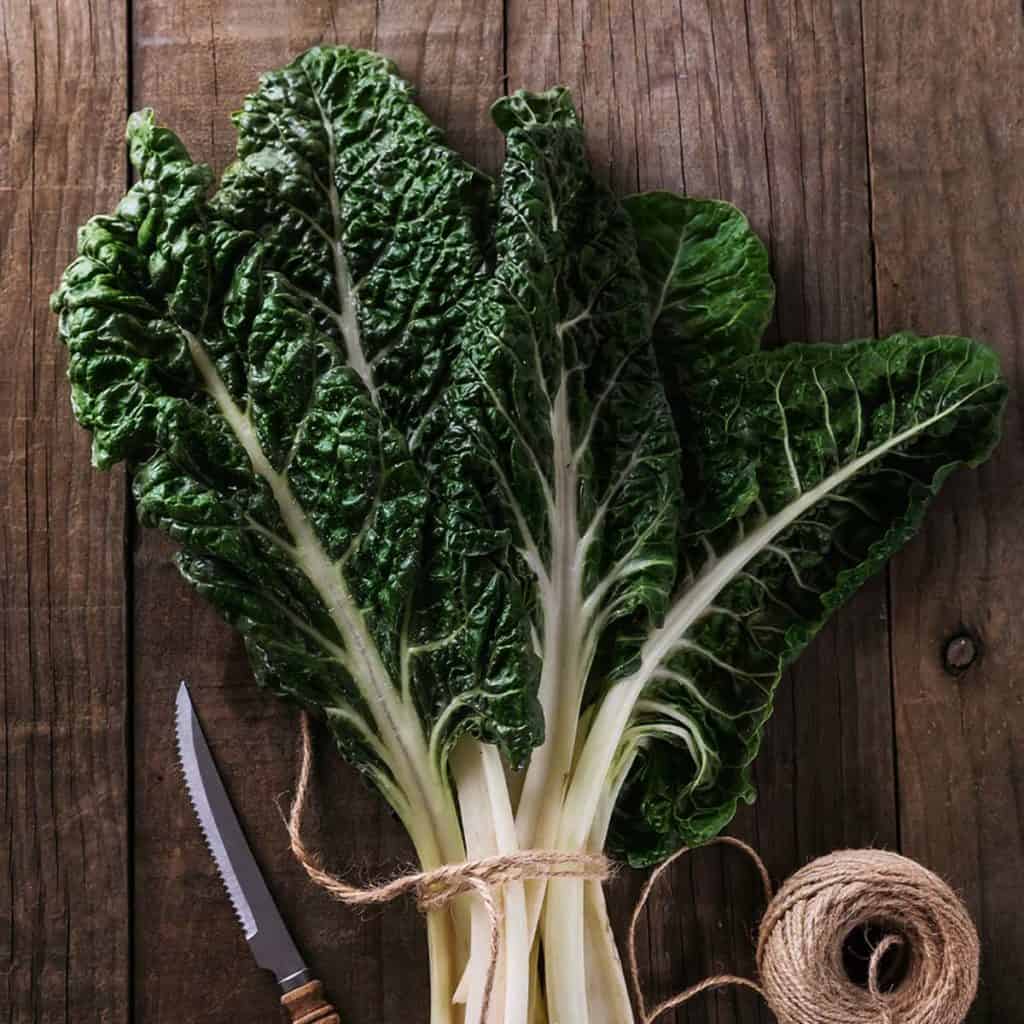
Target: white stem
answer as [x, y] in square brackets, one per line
[564, 966]
[566, 659]
[448, 929]
[585, 980]
[441, 946]
[608, 999]
[547, 776]
[607, 993]
[489, 829]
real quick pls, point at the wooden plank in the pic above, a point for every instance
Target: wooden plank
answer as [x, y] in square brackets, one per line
[452, 52]
[946, 149]
[64, 938]
[193, 64]
[194, 61]
[761, 104]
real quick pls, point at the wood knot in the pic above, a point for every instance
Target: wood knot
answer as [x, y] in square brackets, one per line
[961, 652]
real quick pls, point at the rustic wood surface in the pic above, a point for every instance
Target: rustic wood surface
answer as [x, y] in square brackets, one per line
[877, 148]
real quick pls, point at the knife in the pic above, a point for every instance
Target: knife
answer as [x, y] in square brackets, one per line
[261, 922]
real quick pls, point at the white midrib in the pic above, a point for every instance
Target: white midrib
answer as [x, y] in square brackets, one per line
[596, 757]
[348, 322]
[347, 319]
[608, 999]
[666, 284]
[561, 683]
[397, 722]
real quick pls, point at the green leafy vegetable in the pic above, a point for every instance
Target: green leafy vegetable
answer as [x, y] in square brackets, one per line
[570, 434]
[439, 448]
[244, 353]
[816, 464]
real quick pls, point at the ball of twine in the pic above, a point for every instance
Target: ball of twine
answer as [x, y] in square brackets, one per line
[911, 914]
[917, 947]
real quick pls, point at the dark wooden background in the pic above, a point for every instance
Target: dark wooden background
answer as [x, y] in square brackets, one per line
[877, 146]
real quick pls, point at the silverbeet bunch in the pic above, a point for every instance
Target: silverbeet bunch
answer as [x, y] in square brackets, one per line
[496, 475]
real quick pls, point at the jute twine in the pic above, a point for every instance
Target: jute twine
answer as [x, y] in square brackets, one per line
[901, 905]
[435, 889]
[801, 938]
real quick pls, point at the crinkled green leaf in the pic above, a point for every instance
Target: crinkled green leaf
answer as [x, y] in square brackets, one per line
[207, 349]
[817, 463]
[559, 419]
[370, 219]
[709, 285]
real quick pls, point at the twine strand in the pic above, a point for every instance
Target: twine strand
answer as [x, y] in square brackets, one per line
[875, 963]
[716, 980]
[436, 888]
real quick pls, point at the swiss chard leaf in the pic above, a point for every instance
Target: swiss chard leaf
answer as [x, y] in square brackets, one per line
[371, 220]
[267, 358]
[709, 284]
[559, 414]
[262, 447]
[817, 463]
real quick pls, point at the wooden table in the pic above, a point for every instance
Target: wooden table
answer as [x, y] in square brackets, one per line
[878, 148]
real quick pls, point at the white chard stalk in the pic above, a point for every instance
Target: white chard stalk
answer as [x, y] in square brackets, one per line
[489, 829]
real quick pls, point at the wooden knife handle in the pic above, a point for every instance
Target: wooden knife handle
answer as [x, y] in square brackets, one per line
[307, 1005]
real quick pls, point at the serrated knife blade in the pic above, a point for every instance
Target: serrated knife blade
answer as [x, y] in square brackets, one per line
[264, 929]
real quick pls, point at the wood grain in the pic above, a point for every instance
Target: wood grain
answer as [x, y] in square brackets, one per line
[876, 150]
[63, 801]
[947, 147]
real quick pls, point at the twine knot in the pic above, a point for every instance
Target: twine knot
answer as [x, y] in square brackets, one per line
[437, 888]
